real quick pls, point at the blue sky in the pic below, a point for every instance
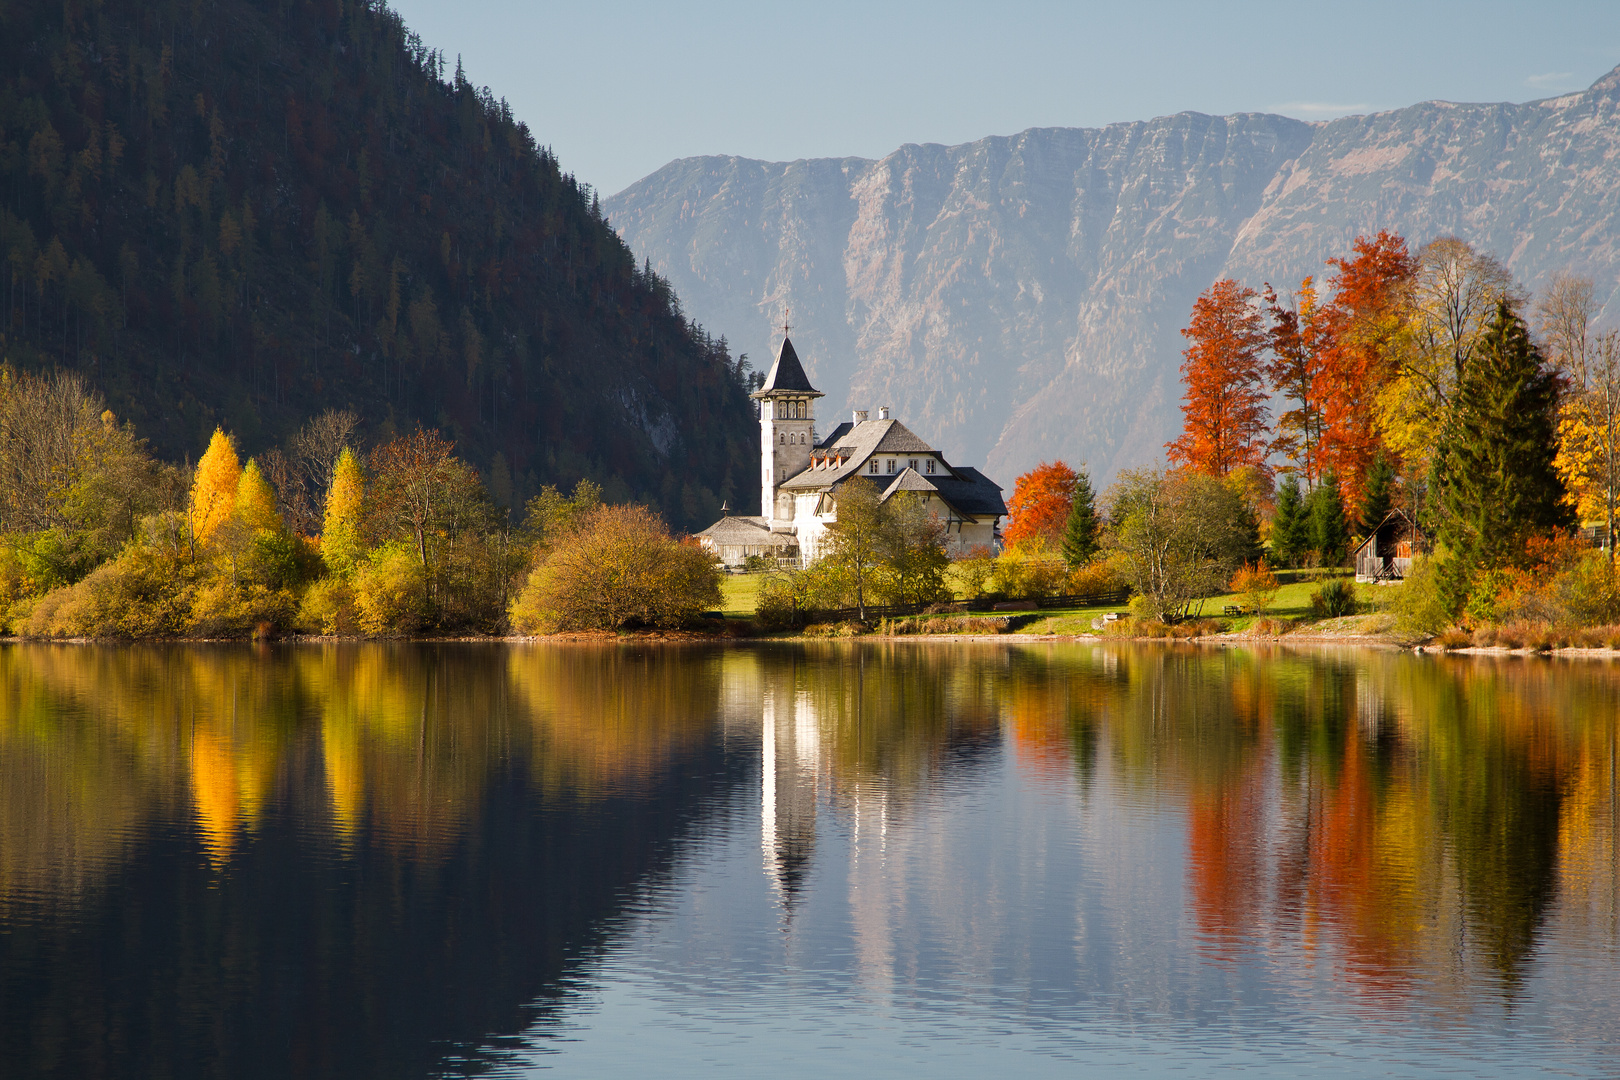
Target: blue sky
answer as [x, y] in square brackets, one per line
[619, 88]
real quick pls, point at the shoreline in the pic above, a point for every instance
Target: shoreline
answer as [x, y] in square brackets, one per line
[1374, 642]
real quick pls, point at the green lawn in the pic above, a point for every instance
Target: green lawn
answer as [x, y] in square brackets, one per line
[740, 592]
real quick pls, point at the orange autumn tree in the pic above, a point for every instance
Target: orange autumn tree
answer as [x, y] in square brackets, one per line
[1297, 339]
[1040, 504]
[1224, 411]
[1361, 324]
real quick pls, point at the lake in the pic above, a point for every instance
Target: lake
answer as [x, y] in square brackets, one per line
[816, 859]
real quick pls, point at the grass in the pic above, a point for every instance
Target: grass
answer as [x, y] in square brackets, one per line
[739, 593]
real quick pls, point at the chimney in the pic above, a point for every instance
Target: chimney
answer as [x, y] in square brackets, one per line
[860, 416]
[883, 412]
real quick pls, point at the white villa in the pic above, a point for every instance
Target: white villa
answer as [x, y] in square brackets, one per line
[800, 476]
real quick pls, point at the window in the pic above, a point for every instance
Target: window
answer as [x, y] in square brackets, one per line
[784, 440]
[873, 469]
[891, 464]
[930, 466]
[912, 464]
[802, 410]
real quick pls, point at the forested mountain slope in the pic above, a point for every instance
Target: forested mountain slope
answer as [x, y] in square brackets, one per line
[1020, 297]
[246, 211]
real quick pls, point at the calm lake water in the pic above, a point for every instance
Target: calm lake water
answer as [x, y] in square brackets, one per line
[907, 859]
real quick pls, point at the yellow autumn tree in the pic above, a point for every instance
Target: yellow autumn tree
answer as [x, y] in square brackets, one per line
[213, 491]
[256, 501]
[342, 544]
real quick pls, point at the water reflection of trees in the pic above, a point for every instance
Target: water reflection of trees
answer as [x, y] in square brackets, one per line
[1421, 816]
[324, 861]
[232, 819]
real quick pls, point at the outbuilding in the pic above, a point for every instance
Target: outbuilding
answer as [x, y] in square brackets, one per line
[1386, 554]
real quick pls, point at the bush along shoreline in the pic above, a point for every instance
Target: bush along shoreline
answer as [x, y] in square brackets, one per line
[101, 541]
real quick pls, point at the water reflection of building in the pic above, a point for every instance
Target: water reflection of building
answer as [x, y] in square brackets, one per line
[790, 778]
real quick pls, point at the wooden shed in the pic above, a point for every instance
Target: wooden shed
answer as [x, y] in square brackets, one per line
[1387, 554]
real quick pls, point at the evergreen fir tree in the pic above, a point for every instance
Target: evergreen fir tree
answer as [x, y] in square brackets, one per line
[1378, 495]
[1497, 483]
[1288, 524]
[1080, 533]
[1329, 528]
[1250, 549]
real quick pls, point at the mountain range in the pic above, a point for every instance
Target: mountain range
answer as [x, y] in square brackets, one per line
[1020, 298]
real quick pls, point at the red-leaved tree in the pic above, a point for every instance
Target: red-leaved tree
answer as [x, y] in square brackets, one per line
[1040, 504]
[1356, 360]
[1297, 339]
[1224, 413]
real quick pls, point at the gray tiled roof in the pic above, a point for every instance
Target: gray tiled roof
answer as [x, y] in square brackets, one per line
[910, 480]
[787, 374]
[968, 493]
[832, 438]
[972, 493]
[857, 444]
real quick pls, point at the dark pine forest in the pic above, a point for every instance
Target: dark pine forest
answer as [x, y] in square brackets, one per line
[243, 212]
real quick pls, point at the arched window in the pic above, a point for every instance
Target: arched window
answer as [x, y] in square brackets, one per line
[784, 440]
[803, 409]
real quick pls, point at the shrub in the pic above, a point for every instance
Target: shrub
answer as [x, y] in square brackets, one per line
[1155, 628]
[390, 591]
[1420, 604]
[778, 605]
[1256, 584]
[234, 609]
[1094, 578]
[1269, 627]
[327, 608]
[957, 624]
[1455, 638]
[1020, 575]
[139, 594]
[850, 628]
[1334, 598]
[975, 570]
[618, 568]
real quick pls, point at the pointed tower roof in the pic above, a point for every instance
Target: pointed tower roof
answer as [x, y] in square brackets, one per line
[787, 375]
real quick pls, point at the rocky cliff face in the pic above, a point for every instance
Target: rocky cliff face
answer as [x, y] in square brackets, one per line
[1019, 298]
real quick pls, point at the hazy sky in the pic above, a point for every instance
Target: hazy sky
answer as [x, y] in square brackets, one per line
[619, 89]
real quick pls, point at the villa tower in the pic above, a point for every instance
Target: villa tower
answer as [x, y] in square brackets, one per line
[787, 431]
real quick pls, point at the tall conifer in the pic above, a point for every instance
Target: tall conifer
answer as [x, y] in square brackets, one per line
[1329, 528]
[1377, 496]
[1289, 531]
[1497, 483]
[1080, 532]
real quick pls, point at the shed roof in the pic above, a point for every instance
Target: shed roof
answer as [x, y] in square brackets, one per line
[748, 531]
